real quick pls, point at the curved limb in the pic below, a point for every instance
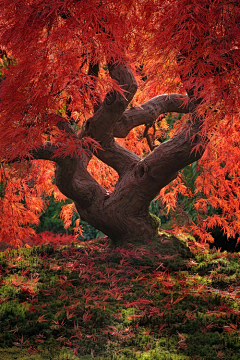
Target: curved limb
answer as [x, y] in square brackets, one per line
[120, 158]
[100, 126]
[148, 112]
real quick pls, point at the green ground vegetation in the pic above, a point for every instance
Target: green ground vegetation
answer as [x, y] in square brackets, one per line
[93, 301]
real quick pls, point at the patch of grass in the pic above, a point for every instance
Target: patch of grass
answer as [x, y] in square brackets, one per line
[16, 353]
[94, 301]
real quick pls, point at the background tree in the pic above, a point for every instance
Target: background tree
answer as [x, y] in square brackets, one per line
[84, 80]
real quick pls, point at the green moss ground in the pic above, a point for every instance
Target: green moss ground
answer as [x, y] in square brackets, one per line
[94, 301]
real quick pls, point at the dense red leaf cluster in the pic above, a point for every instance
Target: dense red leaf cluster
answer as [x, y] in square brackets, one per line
[46, 48]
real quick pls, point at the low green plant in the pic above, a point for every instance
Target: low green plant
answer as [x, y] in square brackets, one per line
[94, 301]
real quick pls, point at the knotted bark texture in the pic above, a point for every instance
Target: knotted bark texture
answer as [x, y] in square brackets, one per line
[124, 214]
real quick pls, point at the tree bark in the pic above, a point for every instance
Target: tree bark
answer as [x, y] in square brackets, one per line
[124, 214]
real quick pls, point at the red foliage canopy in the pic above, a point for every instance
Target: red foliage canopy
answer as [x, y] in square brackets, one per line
[170, 45]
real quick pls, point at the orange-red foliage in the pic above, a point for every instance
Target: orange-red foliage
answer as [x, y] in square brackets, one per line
[50, 45]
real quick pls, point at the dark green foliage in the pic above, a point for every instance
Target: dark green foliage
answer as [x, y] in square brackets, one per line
[50, 220]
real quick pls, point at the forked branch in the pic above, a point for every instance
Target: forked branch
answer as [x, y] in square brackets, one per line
[100, 126]
[149, 112]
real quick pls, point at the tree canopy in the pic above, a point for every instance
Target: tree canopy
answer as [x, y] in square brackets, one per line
[96, 81]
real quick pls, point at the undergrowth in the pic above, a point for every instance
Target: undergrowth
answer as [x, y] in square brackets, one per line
[91, 300]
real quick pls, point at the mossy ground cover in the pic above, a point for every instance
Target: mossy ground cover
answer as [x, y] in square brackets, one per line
[139, 302]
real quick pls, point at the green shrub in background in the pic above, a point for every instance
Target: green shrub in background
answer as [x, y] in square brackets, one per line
[50, 221]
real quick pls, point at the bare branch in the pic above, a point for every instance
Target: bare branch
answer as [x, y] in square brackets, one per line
[63, 125]
[72, 177]
[102, 123]
[44, 152]
[118, 157]
[149, 137]
[161, 166]
[100, 126]
[75, 182]
[93, 71]
[148, 112]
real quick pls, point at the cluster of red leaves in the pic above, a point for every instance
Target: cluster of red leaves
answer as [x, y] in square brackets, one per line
[52, 44]
[60, 38]
[47, 237]
[23, 188]
[216, 187]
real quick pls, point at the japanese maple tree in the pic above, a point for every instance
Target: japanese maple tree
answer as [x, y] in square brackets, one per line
[81, 88]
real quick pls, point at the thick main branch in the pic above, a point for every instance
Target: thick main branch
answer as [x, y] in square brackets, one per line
[149, 111]
[100, 126]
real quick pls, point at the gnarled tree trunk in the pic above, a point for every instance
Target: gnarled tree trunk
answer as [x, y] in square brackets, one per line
[124, 214]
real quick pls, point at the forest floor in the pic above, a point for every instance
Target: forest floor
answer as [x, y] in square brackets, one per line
[93, 301]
